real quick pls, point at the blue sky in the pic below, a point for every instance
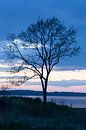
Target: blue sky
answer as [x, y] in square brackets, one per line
[16, 15]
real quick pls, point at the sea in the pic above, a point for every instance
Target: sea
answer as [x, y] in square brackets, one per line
[71, 101]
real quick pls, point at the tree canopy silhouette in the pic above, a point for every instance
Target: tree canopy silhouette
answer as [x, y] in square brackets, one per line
[40, 47]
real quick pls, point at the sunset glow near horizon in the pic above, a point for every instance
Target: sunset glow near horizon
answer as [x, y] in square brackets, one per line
[59, 80]
[70, 74]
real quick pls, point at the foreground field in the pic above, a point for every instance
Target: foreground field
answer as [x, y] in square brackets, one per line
[18, 113]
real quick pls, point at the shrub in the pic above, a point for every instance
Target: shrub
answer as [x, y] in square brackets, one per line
[37, 100]
[67, 128]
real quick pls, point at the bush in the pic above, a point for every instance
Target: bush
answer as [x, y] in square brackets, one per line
[67, 128]
[37, 100]
[18, 126]
[3, 102]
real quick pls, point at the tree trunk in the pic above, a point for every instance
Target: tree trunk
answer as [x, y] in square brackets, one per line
[44, 96]
[44, 87]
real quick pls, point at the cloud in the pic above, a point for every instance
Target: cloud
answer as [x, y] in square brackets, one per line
[68, 83]
[58, 74]
[15, 17]
[62, 83]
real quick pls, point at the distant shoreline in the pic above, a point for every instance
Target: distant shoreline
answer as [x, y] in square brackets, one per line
[39, 93]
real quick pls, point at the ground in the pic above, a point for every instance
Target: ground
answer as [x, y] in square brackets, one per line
[18, 113]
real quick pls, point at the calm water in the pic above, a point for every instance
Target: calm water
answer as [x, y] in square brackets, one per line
[77, 102]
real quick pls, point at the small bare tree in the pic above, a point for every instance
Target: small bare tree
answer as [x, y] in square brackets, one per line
[40, 47]
[4, 90]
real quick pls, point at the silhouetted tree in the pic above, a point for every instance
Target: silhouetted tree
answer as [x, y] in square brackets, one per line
[40, 47]
[4, 90]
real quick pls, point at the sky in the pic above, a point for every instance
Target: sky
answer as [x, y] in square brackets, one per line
[17, 15]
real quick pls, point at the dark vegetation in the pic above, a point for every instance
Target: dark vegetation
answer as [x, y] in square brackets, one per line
[18, 113]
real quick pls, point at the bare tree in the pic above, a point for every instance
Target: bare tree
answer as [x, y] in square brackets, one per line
[4, 90]
[40, 47]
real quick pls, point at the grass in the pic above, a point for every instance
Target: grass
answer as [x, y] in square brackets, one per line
[18, 113]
